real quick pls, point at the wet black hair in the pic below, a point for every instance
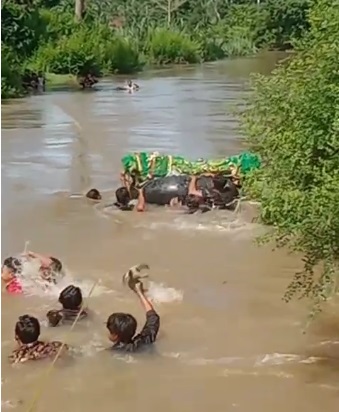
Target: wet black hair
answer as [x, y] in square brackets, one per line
[123, 196]
[13, 263]
[27, 329]
[220, 182]
[94, 194]
[193, 203]
[71, 297]
[56, 265]
[123, 325]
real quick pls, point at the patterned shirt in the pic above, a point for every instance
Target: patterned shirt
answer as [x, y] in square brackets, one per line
[35, 351]
[146, 337]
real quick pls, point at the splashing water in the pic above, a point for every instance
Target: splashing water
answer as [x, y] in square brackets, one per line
[166, 218]
[159, 293]
[10, 404]
[34, 285]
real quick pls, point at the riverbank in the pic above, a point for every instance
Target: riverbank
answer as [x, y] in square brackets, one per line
[55, 80]
[47, 38]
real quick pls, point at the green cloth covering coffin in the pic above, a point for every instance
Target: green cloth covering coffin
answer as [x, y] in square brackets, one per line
[144, 165]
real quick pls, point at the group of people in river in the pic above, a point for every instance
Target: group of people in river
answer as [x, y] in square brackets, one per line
[190, 193]
[33, 81]
[194, 193]
[121, 326]
[89, 80]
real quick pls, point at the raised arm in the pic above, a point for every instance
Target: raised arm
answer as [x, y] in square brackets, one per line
[150, 330]
[141, 201]
[45, 261]
[139, 290]
[192, 187]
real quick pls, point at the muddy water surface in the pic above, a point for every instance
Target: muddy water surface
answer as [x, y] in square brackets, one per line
[227, 341]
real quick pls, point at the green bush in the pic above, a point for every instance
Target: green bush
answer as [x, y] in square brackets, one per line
[73, 55]
[286, 20]
[58, 24]
[293, 124]
[22, 27]
[238, 42]
[164, 46]
[11, 84]
[119, 55]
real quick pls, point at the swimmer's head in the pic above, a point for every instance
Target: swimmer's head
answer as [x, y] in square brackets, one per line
[93, 194]
[27, 329]
[193, 203]
[122, 195]
[219, 182]
[129, 83]
[71, 297]
[54, 272]
[10, 268]
[121, 327]
[56, 265]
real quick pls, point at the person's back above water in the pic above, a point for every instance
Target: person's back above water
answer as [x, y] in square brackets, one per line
[27, 332]
[122, 326]
[71, 301]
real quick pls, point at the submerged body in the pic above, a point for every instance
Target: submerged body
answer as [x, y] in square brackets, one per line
[129, 86]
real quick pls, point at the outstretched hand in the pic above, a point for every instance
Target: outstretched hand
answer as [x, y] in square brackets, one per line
[136, 285]
[133, 277]
[29, 254]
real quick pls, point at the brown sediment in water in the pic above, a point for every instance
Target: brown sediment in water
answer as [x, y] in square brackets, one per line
[231, 342]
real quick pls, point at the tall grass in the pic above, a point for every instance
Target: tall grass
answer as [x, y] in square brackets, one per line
[164, 46]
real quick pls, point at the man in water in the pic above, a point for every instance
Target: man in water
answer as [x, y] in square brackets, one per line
[122, 326]
[50, 268]
[130, 86]
[94, 194]
[27, 332]
[11, 268]
[71, 301]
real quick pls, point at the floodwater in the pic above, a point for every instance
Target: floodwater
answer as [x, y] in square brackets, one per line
[227, 340]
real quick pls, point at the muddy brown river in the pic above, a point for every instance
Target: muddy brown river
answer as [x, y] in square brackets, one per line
[227, 340]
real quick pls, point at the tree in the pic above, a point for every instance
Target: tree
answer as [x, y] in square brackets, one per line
[293, 122]
[169, 6]
[79, 9]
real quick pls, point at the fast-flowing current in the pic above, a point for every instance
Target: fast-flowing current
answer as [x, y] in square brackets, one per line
[227, 340]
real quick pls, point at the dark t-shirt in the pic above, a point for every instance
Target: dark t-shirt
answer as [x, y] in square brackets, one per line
[146, 337]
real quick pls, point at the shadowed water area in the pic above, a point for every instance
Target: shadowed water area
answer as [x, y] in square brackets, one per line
[227, 340]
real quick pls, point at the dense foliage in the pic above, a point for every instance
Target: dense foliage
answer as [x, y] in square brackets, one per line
[124, 35]
[293, 123]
